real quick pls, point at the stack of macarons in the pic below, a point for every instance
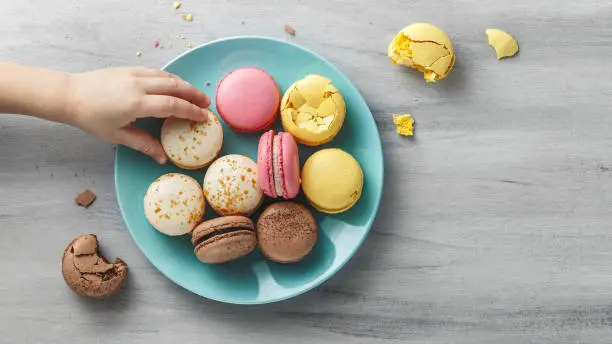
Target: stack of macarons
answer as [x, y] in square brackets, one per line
[248, 100]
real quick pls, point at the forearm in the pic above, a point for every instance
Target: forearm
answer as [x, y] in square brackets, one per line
[34, 91]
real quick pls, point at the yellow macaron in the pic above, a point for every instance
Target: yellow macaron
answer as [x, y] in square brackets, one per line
[424, 47]
[312, 110]
[332, 180]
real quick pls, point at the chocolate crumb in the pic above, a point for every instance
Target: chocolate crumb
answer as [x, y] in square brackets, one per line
[289, 30]
[85, 198]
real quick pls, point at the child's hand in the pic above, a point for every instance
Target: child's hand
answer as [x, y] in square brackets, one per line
[106, 102]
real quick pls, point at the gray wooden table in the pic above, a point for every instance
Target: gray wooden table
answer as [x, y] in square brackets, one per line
[495, 221]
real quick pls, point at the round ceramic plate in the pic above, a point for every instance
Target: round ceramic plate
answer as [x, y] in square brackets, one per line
[252, 279]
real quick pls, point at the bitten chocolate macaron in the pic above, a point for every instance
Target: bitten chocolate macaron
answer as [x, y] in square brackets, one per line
[286, 232]
[87, 272]
[223, 239]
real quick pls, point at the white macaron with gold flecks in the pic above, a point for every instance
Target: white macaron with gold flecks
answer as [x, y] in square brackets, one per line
[231, 185]
[174, 204]
[192, 145]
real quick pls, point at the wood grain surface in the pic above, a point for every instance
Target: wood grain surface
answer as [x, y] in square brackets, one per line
[495, 225]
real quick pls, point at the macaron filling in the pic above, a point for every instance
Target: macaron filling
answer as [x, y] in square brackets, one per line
[276, 166]
[221, 231]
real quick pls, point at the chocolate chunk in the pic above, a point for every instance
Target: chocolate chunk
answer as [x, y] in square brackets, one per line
[85, 198]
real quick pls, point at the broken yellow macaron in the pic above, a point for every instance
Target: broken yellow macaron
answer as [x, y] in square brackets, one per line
[404, 124]
[312, 110]
[504, 44]
[424, 47]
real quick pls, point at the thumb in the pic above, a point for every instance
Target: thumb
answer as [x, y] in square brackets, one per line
[142, 141]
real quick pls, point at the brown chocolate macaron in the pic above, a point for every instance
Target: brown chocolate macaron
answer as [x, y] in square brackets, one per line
[87, 272]
[286, 232]
[223, 239]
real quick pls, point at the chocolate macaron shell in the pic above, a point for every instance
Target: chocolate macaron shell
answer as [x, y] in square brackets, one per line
[87, 272]
[286, 232]
[225, 247]
[220, 224]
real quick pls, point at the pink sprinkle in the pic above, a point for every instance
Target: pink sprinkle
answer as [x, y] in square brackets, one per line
[156, 43]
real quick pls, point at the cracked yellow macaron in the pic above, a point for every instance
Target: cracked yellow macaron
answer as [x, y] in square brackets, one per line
[313, 110]
[332, 180]
[424, 47]
[504, 44]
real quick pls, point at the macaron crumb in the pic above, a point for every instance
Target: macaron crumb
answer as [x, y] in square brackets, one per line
[139, 53]
[404, 124]
[176, 5]
[155, 43]
[289, 30]
[187, 17]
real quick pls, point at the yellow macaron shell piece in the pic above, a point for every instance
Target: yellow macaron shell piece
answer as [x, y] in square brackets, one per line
[313, 110]
[332, 180]
[424, 47]
[504, 44]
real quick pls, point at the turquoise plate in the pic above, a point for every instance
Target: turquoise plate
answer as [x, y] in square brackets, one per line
[252, 279]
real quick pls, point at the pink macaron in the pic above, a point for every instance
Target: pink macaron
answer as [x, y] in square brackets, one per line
[248, 99]
[278, 162]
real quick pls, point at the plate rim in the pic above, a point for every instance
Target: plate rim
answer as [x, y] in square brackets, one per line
[330, 272]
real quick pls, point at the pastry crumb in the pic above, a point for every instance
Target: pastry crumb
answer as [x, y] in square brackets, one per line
[85, 198]
[289, 30]
[187, 17]
[404, 124]
[138, 53]
[207, 83]
[176, 5]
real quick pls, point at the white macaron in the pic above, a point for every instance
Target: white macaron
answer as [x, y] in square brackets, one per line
[192, 145]
[174, 204]
[231, 185]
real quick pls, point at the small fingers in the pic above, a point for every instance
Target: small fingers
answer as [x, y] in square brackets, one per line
[142, 141]
[176, 87]
[162, 106]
